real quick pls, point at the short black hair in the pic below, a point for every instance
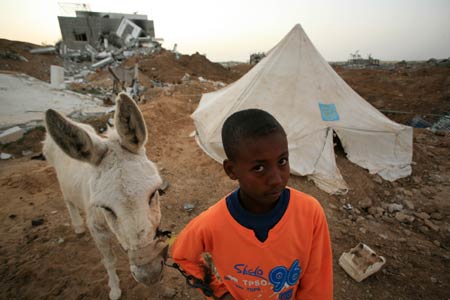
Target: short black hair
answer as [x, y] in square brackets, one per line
[247, 123]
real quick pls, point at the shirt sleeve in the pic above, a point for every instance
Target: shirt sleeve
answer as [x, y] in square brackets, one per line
[317, 281]
[187, 252]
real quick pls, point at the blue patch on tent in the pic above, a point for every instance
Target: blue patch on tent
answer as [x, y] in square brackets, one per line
[328, 112]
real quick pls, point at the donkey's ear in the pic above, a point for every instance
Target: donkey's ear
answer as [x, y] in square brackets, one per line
[130, 124]
[74, 140]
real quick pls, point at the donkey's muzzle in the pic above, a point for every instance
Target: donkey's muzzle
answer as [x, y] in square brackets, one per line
[146, 264]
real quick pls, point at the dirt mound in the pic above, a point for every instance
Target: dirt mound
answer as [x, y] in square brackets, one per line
[403, 92]
[165, 67]
[15, 56]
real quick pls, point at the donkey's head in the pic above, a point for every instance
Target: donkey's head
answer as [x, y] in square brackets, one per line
[122, 184]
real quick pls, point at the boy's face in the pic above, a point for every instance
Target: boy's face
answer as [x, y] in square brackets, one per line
[261, 165]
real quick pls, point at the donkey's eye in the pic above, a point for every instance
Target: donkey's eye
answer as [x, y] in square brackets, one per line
[109, 210]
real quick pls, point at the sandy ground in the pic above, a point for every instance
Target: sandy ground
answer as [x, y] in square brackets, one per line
[51, 262]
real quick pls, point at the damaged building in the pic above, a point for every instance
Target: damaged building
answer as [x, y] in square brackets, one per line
[93, 28]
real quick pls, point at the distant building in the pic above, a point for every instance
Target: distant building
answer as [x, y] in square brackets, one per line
[93, 27]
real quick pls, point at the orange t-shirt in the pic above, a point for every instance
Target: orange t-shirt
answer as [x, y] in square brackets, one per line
[294, 262]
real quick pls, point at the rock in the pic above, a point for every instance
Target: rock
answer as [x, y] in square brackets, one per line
[394, 207]
[12, 134]
[188, 207]
[387, 193]
[347, 222]
[402, 240]
[433, 280]
[429, 208]
[424, 229]
[436, 216]
[37, 222]
[360, 219]
[365, 203]
[169, 292]
[27, 152]
[60, 240]
[363, 230]
[407, 232]
[404, 218]
[408, 193]
[408, 204]
[347, 206]
[417, 179]
[422, 215]
[437, 243]
[5, 156]
[378, 179]
[332, 206]
[435, 178]
[383, 236]
[376, 211]
[431, 225]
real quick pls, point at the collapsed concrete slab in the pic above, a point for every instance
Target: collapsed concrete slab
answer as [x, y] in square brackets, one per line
[24, 100]
[12, 134]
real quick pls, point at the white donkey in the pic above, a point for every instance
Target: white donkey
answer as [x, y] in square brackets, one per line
[113, 182]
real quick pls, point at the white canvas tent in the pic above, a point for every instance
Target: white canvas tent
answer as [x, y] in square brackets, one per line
[300, 89]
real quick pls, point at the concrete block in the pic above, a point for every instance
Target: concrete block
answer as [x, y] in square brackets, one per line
[11, 135]
[57, 77]
[361, 262]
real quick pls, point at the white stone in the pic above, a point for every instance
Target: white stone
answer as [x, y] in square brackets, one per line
[11, 135]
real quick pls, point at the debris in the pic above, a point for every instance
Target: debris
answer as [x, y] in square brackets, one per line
[422, 215]
[60, 240]
[365, 203]
[169, 292]
[43, 50]
[361, 262]
[378, 179]
[256, 57]
[108, 60]
[188, 207]
[436, 216]
[408, 204]
[394, 207]
[37, 222]
[418, 122]
[11, 135]
[347, 206]
[5, 156]
[57, 77]
[27, 152]
[6, 54]
[431, 225]
[404, 218]
[376, 211]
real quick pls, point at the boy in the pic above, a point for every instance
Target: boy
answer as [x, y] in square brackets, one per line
[266, 241]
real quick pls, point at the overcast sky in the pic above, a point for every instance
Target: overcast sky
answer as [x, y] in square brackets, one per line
[233, 29]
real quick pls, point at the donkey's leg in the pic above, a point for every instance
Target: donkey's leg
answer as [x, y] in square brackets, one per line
[75, 216]
[102, 238]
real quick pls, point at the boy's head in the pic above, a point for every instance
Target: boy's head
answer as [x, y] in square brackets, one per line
[249, 123]
[257, 156]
